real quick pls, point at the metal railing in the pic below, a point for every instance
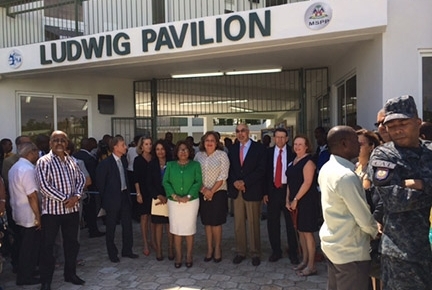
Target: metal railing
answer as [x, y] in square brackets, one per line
[34, 21]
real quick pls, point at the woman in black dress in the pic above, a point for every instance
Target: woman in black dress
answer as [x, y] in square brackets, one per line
[156, 171]
[141, 172]
[303, 197]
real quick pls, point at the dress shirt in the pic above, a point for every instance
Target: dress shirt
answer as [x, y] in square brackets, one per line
[284, 162]
[22, 183]
[122, 172]
[245, 148]
[58, 181]
[348, 224]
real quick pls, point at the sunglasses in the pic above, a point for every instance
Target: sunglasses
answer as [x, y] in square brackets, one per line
[241, 130]
[379, 124]
[59, 140]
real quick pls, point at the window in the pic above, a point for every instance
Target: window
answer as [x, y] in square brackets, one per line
[324, 111]
[427, 88]
[42, 114]
[347, 102]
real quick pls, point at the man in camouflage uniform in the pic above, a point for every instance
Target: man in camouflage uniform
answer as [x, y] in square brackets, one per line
[402, 174]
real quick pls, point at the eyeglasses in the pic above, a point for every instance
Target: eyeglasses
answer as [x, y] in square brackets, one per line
[59, 140]
[379, 124]
[183, 150]
[241, 130]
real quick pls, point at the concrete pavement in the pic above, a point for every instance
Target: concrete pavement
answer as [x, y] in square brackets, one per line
[148, 273]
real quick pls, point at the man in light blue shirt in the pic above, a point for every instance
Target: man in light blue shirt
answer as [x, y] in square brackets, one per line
[348, 224]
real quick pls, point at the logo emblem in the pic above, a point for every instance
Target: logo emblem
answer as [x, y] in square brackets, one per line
[381, 173]
[15, 59]
[318, 16]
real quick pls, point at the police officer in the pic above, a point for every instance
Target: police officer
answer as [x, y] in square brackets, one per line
[402, 174]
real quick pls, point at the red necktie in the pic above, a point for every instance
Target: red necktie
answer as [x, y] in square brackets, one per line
[278, 175]
[241, 154]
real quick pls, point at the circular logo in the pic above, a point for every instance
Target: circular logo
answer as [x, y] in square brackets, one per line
[318, 16]
[15, 59]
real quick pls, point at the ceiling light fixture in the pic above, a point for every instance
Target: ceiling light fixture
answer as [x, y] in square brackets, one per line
[197, 75]
[195, 103]
[230, 102]
[258, 71]
[241, 109]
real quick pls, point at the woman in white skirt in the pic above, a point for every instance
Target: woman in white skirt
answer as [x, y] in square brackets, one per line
[182, 181]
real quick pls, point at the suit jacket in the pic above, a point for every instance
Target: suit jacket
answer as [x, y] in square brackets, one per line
[270, 166]
[109, 183]
[154, 179]
[91, 164]
[252, 172]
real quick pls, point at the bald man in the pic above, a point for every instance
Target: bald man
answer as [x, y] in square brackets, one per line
[348, 224]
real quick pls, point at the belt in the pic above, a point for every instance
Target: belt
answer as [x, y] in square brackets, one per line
[282, 186]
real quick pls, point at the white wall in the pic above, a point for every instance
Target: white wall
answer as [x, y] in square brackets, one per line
[409, 29]
[365, 61]
[67, 85]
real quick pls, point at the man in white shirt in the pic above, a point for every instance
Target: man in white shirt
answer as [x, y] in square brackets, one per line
[348, 224]
[25, 210]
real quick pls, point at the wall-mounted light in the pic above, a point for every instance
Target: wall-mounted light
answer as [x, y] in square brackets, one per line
[85, 106]
[28, 99]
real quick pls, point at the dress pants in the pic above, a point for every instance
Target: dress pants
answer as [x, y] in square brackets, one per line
[29, 243]
[51, 224]
[247, 212]
[125, 214]
[90, 213]
[276, 206]
[349, 276]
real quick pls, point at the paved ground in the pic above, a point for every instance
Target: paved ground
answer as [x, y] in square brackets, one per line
[147, 273]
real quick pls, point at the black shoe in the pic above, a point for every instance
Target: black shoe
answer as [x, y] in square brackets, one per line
[274, 258]
[160, 258]
[46, 286]
[177, 265]
[131, 255]
[238, 259]
[97, 234]
[256, 261]
[263, 217]
[30, 281]
[114, 259]
[206, 259]
[74, 279]
[217, 260]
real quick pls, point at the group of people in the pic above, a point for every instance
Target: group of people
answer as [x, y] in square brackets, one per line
[385, 195]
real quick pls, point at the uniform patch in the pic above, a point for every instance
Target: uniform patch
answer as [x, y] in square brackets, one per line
[381, 173]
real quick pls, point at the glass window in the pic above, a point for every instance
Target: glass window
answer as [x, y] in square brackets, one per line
[427, 88]
[37, 115]
[347, 102]
[44, 114]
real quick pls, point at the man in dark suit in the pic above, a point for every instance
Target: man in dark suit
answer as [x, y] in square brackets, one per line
[278, 158]
[112, 182]
[245, 185]
[90, 162]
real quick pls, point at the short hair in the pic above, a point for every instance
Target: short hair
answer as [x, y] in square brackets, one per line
[373, 139]
[5, 140]
[188, 146]
[26, 148]
[58, 132]
[70, 147]
[114, 141]
[162, 142]
[140, 143]
[280, 129]
[18, 140]
[215, 135]
[307, 142]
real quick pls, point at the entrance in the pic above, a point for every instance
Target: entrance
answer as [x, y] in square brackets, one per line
[195, 105]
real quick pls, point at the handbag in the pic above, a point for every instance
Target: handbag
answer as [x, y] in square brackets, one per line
[158, 208]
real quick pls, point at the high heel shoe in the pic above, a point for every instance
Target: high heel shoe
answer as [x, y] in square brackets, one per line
[189, 262]
[300, 267]
[208, 259]
[177, 265]
[218, 260]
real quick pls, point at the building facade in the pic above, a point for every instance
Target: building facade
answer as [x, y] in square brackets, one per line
[105, 66]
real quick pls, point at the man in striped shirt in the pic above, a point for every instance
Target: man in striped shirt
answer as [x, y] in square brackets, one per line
[61, 183]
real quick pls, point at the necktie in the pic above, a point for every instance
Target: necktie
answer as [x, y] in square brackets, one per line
[241, 154]
[278, 174]
[122, 176]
